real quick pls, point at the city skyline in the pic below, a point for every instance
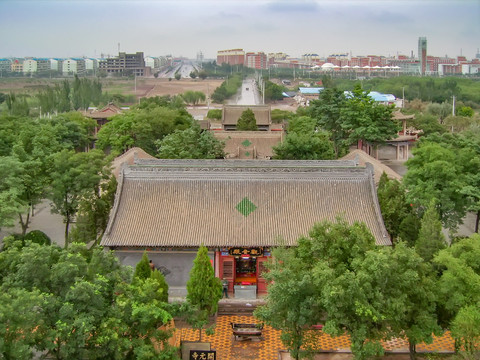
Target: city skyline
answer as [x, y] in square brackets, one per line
[182, 28]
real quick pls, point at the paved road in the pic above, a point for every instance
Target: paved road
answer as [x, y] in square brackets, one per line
[248, 94]
[184, 69]
[44, 220]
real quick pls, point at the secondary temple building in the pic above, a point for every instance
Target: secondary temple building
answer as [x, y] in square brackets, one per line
[239, 209]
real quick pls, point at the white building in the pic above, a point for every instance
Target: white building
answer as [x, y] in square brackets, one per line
[29, 66]
[91, 64]
[73, 66]
[54, 63]
[152, 62]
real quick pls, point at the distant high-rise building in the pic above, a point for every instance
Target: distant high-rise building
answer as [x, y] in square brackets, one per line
[422, 54]
[231, 57]
[256, 60]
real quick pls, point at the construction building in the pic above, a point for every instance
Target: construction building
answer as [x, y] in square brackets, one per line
[125, 64]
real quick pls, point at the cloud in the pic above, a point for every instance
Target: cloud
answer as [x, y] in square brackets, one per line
[292, 6]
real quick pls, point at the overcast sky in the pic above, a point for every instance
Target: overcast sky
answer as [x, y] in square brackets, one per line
[62, 28]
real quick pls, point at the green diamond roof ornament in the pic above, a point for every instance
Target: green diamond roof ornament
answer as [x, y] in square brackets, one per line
[247, 154]
[246, 143]
[246, 207]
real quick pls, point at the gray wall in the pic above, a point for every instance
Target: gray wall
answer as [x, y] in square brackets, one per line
[176, 264]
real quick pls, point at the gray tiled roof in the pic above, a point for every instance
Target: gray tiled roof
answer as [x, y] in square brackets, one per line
[378, 167]
[187, 203]
[231, 114]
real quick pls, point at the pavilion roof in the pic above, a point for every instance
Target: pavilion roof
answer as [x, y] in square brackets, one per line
[221, 203]
[397, 115]
[106, 112]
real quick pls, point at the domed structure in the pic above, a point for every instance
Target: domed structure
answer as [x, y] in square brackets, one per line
[328, 67]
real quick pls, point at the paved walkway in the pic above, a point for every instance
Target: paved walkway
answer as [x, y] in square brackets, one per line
[267, 349]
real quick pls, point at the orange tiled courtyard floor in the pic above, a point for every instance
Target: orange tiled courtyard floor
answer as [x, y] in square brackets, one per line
[267, 348]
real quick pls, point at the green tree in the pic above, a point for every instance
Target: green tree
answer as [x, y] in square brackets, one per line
[466, 147]
[411, 296]
[279, 116]
[466, 111]
[430, 238]
[290, 302]
[20, 318]
[192, 143]
[305, 146]
[143, 270]
[204, 290]
[38, 237]
[458, 124]
[337, 276]
[429, 124]
[178, 76]
[160, 279]
[71, 130]
[327, 111]
[144, 316]
[459, 288]
[394, 207]
[304, 142]
[273, 91]
[441, 111]
[302, 124]
[365, 120]
[64, 94]
[74, 176]
[17, 104]
[93, 212]
[435, 172]
[143, 127]
[247, 121]
[193, 97]
[193, 74]
[33, 149]
[87, 299]
[227, 89]
[466, 326]
[215, 114]
[345, 286]
[11, 189]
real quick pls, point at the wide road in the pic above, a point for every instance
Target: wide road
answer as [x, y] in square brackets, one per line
[247, 95]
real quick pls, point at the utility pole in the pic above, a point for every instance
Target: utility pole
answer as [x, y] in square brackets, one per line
[403, 97]
[453, 106]
[263, 95]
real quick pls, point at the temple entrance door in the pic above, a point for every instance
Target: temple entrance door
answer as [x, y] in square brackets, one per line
[261, 283]
[228, 271]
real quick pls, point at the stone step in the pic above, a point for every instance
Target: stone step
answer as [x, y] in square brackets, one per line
[232, 307]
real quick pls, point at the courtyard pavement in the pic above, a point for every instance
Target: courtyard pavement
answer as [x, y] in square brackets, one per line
[269, 346]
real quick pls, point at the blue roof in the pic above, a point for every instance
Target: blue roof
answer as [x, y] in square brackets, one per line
[375, 95]
[310, 91]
